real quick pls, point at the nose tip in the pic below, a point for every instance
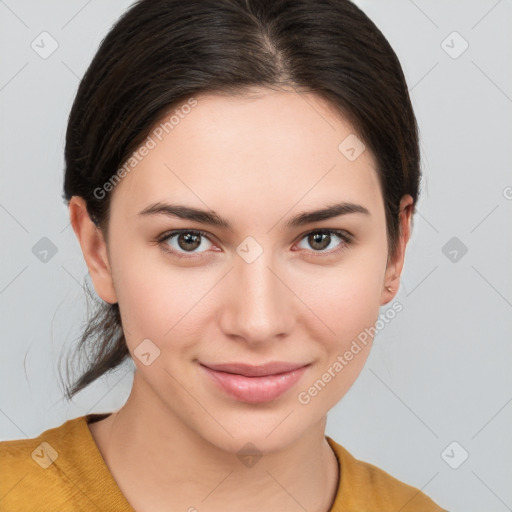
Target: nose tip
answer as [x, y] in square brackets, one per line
[258, 308]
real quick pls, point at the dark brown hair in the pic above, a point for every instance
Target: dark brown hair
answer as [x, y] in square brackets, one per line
[162, 52]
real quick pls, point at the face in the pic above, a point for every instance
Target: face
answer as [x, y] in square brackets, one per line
[259, 288]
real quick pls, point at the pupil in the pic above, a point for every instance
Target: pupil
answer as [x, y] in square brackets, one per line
[317, 239]
[189, 238]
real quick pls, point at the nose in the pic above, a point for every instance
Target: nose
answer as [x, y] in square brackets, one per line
[257, 306]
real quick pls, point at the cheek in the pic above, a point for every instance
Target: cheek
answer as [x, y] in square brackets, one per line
[157, 299]
[348, 303]
[347, 298]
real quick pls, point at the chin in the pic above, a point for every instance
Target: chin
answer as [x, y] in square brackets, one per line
[268, 432]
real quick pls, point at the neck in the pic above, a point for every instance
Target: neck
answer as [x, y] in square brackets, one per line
[160, 463]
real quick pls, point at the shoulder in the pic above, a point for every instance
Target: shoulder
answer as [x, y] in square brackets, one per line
[363, 486]
[39, 471]
[29, 453]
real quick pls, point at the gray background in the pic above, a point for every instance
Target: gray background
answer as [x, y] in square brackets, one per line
[438, 373]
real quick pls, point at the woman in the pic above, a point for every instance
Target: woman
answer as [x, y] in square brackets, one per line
[241, 177]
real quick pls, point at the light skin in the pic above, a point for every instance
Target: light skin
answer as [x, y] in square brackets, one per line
[257, 162]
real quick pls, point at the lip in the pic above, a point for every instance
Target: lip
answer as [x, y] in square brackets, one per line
[255, 384]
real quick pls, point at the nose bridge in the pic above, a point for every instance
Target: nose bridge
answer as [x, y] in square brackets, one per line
[259, 304]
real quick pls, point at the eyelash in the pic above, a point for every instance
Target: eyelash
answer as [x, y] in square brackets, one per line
[344, 236]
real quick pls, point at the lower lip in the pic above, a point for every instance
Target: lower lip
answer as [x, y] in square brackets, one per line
[255, 389]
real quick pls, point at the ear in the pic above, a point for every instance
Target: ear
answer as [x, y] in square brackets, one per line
[396, 263]
[94, 249]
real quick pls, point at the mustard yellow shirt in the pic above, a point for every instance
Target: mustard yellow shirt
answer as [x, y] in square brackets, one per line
[62, 470]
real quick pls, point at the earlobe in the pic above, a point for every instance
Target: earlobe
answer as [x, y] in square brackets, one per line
[94, 249]
[396, 263]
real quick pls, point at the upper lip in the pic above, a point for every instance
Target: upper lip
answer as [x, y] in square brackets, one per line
[247, 370]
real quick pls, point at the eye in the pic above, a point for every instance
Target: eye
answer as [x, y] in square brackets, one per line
[322, 239]
[185, 241]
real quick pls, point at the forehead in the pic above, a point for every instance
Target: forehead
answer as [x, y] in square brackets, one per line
[272, 147]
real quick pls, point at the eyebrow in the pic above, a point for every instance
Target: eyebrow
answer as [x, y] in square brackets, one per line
[212, 218]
